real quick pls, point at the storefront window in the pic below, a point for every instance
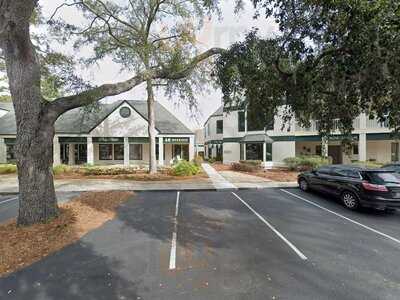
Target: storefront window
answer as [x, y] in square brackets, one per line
[11, 152]
[118, 151]
[220, 126]
[395, 152]
[241, 121]
[181, 151]
[135, 152]
[254, 151]
[105, 152]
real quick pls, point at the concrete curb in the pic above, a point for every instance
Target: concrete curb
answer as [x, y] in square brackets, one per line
[274, 185]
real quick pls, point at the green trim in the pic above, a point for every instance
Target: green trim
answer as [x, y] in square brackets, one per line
[231, 140]
[138, 140]
[113, 140]
[380, 136]
[10, 141]
[72, 139]
[283, 138]
[214, 142]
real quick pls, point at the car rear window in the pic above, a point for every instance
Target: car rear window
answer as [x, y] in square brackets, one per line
[383, 177]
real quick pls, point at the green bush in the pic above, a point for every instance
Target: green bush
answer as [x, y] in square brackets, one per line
[185, 168]
[8, 169]
[99, 171]
[305, 162]
[256, 163]
[243, 167]
[367, 164]
[61, 169]
[198, 160]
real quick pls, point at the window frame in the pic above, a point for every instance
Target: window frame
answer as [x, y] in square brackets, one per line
[114, 152]
[219, 129]
[110, 146]
[131, 148]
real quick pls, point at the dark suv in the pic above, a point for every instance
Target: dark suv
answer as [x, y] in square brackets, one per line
[356, 186]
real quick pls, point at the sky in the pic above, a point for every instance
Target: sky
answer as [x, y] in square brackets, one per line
[217, 32]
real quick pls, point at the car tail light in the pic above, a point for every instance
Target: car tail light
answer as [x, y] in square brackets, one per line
[374, 187]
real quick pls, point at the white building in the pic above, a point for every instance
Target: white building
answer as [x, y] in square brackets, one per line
[231, 137]
[115, 133]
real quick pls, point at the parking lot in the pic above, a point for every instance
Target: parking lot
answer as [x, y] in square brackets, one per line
[244, 244]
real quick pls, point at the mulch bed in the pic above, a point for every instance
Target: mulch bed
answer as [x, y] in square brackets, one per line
[276, 174]
[135, 177]
[22, 246]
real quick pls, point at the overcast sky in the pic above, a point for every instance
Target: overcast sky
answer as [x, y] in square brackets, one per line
[215, 33]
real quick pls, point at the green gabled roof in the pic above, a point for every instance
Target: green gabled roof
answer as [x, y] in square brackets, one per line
[81, 121]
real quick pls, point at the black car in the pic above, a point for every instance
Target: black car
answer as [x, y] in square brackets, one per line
[395, 166]
[356, 186]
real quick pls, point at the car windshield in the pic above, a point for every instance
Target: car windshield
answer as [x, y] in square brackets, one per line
[383, 177]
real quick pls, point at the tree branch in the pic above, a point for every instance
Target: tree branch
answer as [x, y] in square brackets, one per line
[61, 105]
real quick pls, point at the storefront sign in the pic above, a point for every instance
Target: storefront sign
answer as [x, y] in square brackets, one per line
[176, 140]
[108, 140]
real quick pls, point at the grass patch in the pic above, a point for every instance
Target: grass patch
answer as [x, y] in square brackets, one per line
[22, 246]
[8, 169]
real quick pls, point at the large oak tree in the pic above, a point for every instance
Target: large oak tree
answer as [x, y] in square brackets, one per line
[36, 115]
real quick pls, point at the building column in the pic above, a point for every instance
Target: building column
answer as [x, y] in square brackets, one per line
[161, 151]
[191, 148]
[3, 151]
[126, 151]
[56, 152]
[71, 154]
[90, 151]
[362, 147]
[264, 154]
[244, 151]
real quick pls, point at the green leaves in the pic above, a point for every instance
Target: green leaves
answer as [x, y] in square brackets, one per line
[333, 60]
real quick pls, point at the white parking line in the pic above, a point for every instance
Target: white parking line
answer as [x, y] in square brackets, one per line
[343, 217]
[294, 248]
[172, 257]
[9, 200]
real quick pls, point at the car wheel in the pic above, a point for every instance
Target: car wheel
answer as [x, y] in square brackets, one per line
[303, 185]
[350, 200]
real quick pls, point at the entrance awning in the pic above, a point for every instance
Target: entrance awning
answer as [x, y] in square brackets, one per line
[257, 138]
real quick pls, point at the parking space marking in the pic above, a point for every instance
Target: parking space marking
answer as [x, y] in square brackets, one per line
[9, 200]
[344, 217]
[293, 247]
[172, 257]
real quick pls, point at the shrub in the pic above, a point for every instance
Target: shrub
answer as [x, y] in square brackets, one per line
[243, 167]
[61, 169]
[8, 169]
[185, 168]
[256, 163]
[198, 160]
[305, 162]
[99, 171]
[367, 164]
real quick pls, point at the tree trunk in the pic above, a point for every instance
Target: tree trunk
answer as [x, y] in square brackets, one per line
[37, 198]
[35, 125]
[151, 128]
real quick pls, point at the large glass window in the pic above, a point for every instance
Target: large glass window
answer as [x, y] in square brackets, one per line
[254, 151]
[80, 153]
[135, 152]
[241, 121]
[268, 152]
[11, 153]
[105, 151]
[118, 151]
[220, 126]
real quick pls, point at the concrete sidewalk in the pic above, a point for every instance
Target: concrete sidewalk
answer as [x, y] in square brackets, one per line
[217, 181]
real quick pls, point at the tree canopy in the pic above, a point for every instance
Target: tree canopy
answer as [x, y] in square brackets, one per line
[332, 60]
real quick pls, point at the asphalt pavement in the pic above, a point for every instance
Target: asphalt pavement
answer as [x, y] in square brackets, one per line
[241, 244]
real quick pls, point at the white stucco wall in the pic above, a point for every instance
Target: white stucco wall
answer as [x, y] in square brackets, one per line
[282, 150]
[231, 152]
[211, 131]
[379, 151]
[116, 126]
[3, 151]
